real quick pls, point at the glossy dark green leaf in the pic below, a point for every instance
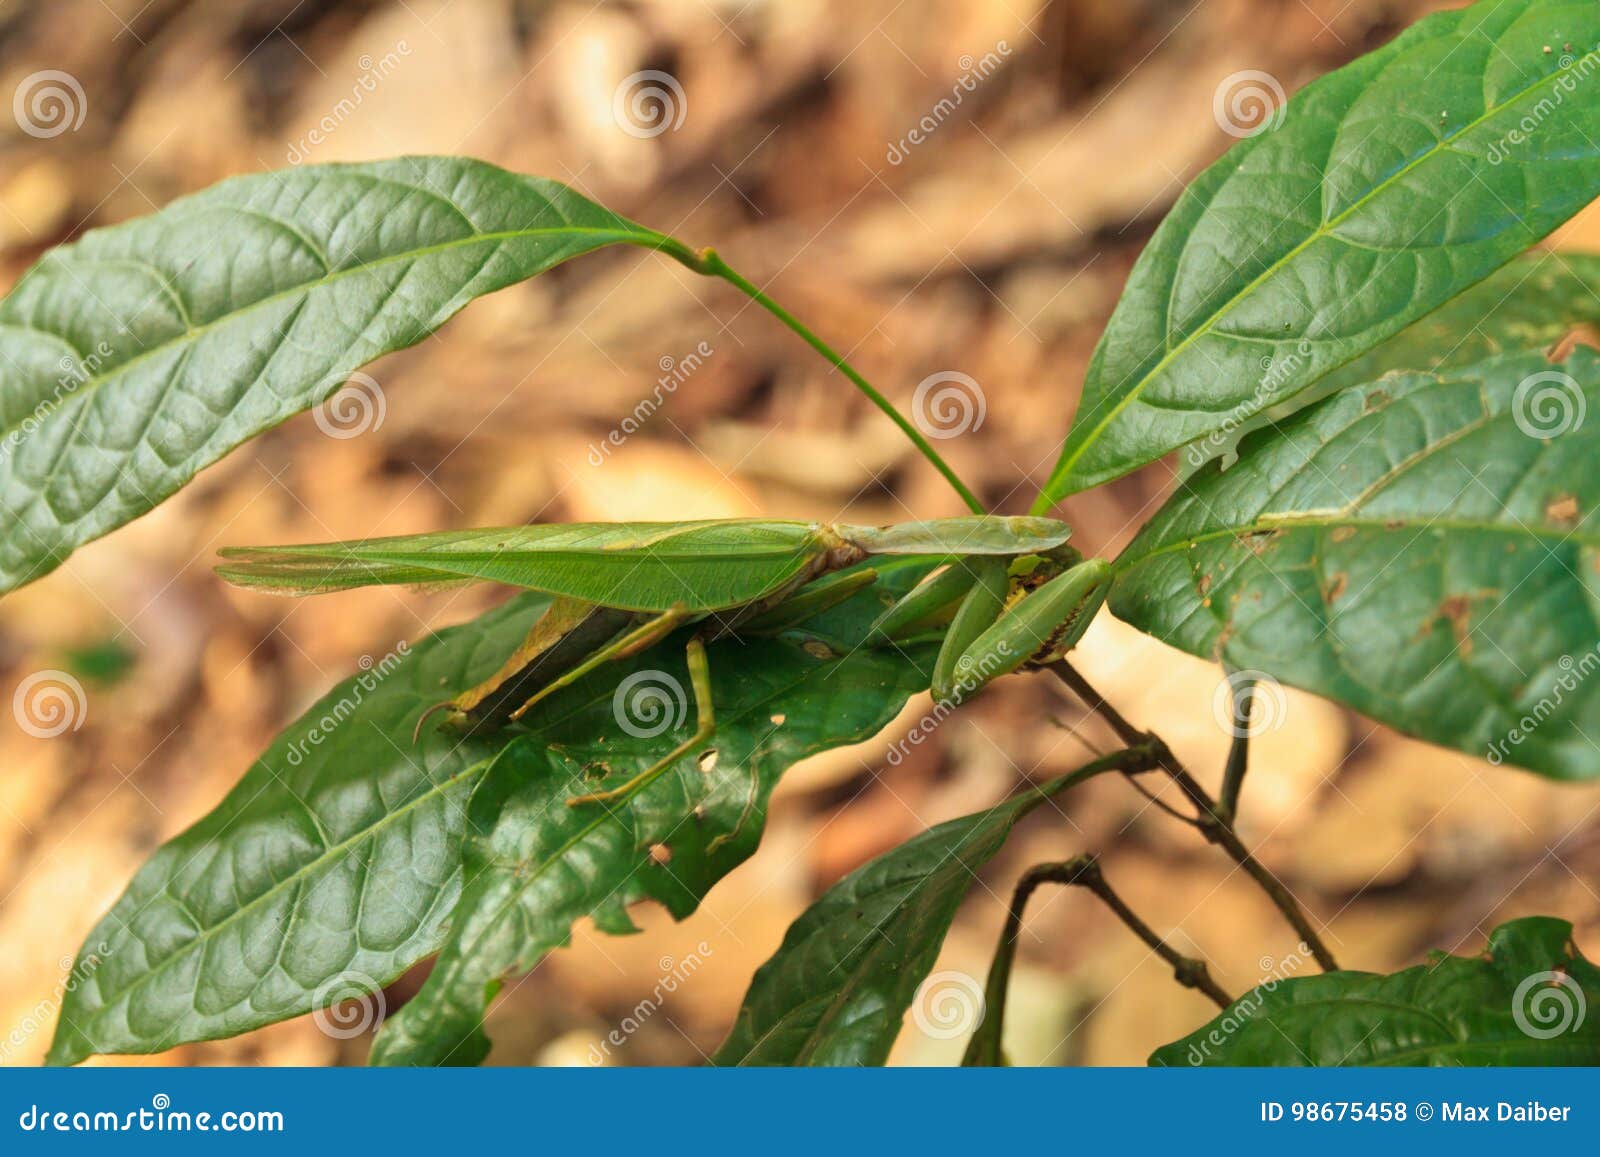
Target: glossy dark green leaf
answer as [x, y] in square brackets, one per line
[1528, 999]
[1530, 305]
[1385, 189]
[1539, 302]
[335, 860]
[848, 969]
[143, 352]
[544, 865]
[1423, 549]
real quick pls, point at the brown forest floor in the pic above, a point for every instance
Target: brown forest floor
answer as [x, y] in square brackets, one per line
[997, 248]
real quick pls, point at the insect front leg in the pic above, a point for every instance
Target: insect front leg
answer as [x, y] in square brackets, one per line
[705, 727]
[1043, 625]
[976, 614]
[926, 599]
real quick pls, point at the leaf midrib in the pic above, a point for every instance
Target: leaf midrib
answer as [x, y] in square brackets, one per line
[638, 236]
[329, 854]
[1323, 230]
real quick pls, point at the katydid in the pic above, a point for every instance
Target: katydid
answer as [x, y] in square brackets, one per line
[1011, 593]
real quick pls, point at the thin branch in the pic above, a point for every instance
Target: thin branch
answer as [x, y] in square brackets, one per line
[1243, 699]
[1084, 872]
[1211, 822]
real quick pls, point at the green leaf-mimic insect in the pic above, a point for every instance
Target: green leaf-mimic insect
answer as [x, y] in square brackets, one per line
[1012, 593]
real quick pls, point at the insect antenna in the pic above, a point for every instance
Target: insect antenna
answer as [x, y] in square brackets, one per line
[416, 732]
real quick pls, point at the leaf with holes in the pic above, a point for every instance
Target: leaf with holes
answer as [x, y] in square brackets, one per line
[146, 351]
[544, 865]
[1375, 195]
[1526, 1000]
[1424, 549]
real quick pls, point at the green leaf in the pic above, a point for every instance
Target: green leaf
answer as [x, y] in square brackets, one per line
[1537, 302]
[837, 988]
[1529, 999]
[1423, 549]
[1387, 188]
[335, 859]
[143, 352]
[544, 865]
[1529, 305]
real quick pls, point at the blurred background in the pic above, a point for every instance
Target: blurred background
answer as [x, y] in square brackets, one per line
[947, 189]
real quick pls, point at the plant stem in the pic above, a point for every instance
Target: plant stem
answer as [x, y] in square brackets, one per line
[1084, 872]
[710, 264]
[1238, 751]
[1211, 822]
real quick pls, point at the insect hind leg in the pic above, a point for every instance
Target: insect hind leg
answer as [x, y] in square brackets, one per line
[705, 728]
